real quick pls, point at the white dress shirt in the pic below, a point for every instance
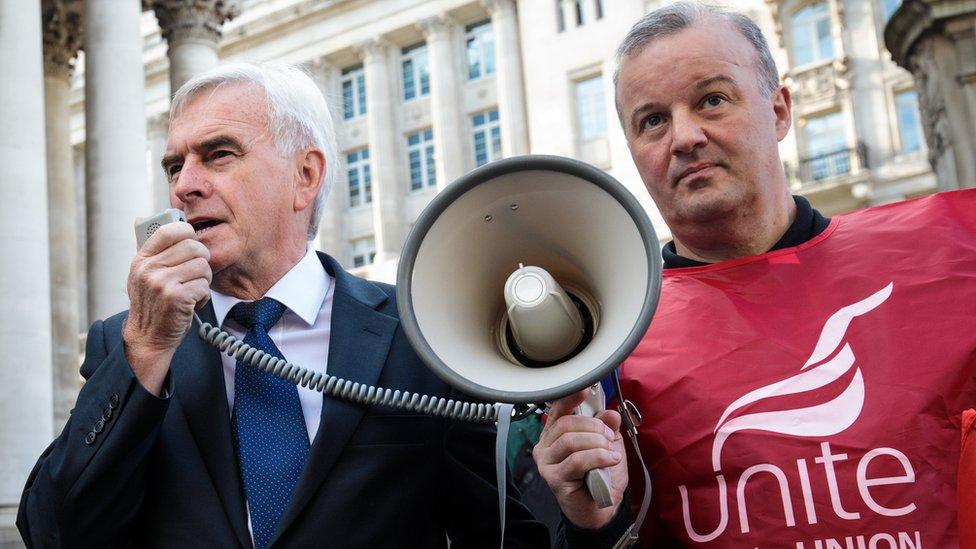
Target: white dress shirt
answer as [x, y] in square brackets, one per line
[302, 334]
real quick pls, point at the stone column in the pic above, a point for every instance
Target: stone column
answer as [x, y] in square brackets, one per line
[157, 130]
[25, 326]
[387, 216]
[934, 40]
[62, 30]
[115, 128]
[325, 75]
[446, 101]
[508, 64]
[192, 29]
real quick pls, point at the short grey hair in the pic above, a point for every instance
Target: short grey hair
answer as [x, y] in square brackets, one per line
[297, 113]
[673, 18]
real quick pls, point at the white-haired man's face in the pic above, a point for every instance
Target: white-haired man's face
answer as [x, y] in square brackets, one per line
[701, 132]
[249, 204]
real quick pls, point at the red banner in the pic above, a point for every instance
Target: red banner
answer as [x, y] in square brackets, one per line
[811, 397]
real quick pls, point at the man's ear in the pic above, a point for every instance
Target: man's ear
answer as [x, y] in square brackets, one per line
[311, 168]
[783, 110]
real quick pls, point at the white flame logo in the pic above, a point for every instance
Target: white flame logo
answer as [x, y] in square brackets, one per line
[821, 420]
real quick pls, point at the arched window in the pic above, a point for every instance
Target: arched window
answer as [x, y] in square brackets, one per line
[812, 39]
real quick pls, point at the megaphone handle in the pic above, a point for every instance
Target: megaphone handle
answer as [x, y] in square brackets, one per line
[598, 483]
[597, 480]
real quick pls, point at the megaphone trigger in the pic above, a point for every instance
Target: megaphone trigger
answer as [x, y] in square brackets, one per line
[598, 481]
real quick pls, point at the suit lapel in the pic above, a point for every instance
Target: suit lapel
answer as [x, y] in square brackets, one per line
[198, 379]
[359, 341]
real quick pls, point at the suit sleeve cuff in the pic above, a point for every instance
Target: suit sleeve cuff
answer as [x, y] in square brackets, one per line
[606, 536]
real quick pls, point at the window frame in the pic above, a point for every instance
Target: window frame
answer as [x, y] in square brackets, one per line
[811, 29]
[417, 57]
[423, 148]
[475, 34]
[579, 117]
[360, 166]
[355, 77]
[486, 125]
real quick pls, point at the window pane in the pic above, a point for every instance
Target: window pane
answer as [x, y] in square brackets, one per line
[480, 50]
[826, 146]
[591, 109]
[409, 91]
[825, 134]
[416, 176]
[889, 7]
[353, 92]
[431, 172]
[361, 89]
[486, 137]
[357, 173]
[909, 123]
[811, 31]
[347, 100]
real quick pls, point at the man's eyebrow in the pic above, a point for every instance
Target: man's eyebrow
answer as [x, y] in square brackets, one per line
[219, 141]
[215, 142]
[170, 159]
[718, 79]
[638, 112]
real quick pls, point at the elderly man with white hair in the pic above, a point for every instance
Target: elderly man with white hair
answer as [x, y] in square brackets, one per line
[172, 444]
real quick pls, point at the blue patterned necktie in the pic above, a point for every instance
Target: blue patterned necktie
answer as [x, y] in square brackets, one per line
[269, 428]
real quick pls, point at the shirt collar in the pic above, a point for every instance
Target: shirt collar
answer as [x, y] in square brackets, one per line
[302, 290]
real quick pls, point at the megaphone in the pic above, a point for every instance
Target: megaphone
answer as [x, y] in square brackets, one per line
[498, 232]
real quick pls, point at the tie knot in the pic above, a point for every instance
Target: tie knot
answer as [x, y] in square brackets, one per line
[265, 311]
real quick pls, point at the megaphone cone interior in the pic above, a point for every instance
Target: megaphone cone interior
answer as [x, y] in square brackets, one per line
[569, 218]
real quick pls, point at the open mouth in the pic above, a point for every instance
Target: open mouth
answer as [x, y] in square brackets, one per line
[204, 225]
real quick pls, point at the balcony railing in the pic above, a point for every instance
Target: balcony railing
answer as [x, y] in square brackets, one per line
[822, 167]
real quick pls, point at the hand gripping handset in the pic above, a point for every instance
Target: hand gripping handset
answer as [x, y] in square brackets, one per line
[597, 480]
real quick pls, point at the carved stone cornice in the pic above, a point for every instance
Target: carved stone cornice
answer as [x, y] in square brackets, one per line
[61, 21]
[194, 19]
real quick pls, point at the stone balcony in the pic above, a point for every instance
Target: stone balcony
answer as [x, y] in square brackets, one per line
[839, 181]
[823, 81]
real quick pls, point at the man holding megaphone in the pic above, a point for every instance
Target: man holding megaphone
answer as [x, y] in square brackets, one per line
[172, 444]
[803, 379]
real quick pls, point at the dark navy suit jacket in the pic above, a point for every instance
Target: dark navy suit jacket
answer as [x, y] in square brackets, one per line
[131, 469]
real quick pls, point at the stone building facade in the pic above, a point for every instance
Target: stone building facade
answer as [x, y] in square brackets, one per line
[422, 91]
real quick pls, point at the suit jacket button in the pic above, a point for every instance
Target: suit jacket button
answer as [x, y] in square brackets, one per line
[99, 425]
[113, 401]
[90, 439]
[107, 414]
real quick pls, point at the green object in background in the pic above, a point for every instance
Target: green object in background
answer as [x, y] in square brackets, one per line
[524, 433]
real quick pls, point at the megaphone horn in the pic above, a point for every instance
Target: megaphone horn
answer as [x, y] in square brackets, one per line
[529, 279]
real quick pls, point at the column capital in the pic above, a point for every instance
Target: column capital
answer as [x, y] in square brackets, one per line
[318, 64]
[158, 124]
[373, 49]
[194, 19]
[436, 26]
[62, 28]
[498, 6]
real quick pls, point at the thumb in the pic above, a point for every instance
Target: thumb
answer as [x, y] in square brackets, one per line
[612, 419]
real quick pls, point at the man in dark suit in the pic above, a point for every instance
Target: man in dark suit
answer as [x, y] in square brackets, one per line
[171, 444]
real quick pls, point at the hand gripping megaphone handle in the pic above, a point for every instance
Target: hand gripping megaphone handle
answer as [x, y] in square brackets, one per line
[597, 480]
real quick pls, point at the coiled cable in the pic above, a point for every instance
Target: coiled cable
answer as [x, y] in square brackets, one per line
[344, 389]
